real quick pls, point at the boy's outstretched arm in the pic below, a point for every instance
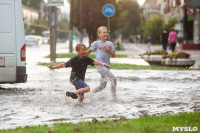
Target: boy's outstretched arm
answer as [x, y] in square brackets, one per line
[88, 52]
[100, 63]
[57, 67]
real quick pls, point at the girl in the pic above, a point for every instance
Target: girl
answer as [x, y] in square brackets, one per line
[104, 49]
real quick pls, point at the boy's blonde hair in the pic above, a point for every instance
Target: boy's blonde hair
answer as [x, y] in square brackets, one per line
[99, 29]
[78, 46]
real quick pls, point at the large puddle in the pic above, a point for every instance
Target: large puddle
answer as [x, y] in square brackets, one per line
[42, 99]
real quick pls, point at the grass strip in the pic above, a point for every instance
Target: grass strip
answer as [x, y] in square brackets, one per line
[149, 124]
[130, 67]
[71, 55]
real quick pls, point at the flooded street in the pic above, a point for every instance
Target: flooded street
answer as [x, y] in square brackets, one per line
[42, 99]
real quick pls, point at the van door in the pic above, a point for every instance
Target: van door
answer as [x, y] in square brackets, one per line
[7, 27]
[7, 41]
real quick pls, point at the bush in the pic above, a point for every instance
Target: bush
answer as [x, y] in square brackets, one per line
[156, 52]
[177, 54]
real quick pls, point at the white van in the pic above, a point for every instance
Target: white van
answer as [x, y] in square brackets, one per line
[12, 42]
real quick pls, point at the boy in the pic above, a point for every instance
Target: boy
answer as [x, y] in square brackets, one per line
[79, 65]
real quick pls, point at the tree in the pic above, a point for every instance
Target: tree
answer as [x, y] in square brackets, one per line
[171, 23]
[132, 17]
[93, 17]
[62, 29]
[154, 27]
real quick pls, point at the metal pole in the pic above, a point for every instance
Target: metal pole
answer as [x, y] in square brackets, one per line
[52, 23]
[50, 29]
[108, 28]
[71, 27]
[81, 21]
[199, 26]
[185, 24]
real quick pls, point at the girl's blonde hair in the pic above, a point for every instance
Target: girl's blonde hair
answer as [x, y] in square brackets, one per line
[100, 28]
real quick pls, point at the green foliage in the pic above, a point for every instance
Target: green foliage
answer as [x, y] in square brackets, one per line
[37, 27]
[42, 25]
[177, 54]
[155, 52]
[129, 67]
[62, 29]
[35, 4]
[71, 55]
[126, 17]
[171, 23]
[154, 27]
[92, 16]
[132, 19]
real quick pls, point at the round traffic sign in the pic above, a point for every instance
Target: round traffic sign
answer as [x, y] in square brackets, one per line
[108, 10]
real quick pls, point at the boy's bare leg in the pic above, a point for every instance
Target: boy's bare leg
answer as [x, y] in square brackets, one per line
[114, 96]
[82, 90]
[81, 97]
[113, 92]
[94, 90]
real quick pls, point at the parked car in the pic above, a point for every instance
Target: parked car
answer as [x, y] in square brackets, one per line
[12, 43]
[32, 40]
[46, 37]
[45, 40]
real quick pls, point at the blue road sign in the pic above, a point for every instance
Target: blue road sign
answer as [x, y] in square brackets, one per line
[108, 10]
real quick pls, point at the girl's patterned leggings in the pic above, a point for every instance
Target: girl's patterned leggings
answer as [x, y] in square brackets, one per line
[105, 73]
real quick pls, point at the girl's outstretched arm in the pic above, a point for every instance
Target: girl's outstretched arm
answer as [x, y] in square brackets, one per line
[88, 52]
[57, 67]
[100, 63]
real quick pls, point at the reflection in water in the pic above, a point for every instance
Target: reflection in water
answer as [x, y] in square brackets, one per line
[139, 92]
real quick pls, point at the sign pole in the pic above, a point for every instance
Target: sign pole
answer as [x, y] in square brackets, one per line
[108, 28]
[108, 10]
[52, 4]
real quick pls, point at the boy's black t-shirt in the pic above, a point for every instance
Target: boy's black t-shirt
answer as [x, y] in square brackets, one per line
[79, 66]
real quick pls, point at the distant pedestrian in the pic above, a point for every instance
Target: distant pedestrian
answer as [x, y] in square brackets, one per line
[173, 39]
[164, 39]
[149, 43]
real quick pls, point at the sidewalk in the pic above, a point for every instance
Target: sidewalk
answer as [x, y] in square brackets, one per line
[134, 50]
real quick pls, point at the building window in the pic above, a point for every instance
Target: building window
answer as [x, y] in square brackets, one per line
[174, 3]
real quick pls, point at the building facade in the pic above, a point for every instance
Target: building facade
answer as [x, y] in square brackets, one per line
[30, 15]
[187, 13]
[150, 9]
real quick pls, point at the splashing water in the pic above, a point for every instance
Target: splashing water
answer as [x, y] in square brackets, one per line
[42, 99]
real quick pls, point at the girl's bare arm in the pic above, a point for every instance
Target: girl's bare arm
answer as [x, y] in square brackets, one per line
[88, 52]
[100, 63]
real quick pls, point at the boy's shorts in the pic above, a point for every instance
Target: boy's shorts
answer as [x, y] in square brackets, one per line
[79, 84]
